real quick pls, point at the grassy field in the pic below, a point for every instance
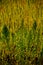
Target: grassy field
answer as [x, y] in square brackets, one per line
[21, 32]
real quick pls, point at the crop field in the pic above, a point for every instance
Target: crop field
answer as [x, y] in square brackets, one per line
[21, 32]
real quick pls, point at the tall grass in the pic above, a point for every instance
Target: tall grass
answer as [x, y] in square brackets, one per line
[21, 37]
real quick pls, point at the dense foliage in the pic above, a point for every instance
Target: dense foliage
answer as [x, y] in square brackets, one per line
[21, 32]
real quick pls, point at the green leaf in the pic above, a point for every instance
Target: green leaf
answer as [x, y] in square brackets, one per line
[41, 54]
[5, 31]
[34, 25]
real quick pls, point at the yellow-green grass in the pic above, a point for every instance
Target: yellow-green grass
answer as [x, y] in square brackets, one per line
[21, 32]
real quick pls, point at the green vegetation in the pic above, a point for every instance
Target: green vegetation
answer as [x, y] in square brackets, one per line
[5, 31]
[21, 33]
